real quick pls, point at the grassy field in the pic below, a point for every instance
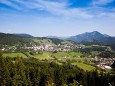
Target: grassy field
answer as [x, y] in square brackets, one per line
[66, 54]
[95, 52]
[42, 41]
[44, 55]
[84, 66]
[28, 54]
[14, 55]
[74, 54]
[61, 56]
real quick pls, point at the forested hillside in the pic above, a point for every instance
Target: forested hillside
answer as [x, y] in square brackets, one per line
[95, 37]
[24, 39]
[9, 39]
[33, 72]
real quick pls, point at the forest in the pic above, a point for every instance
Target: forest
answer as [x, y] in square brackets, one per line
[21, 71]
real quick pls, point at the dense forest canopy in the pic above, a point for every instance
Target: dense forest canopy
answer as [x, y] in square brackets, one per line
[32, 72]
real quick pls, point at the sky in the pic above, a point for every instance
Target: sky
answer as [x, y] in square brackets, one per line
[57, 17]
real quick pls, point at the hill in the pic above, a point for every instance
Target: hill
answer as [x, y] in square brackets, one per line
[24, 35]
[87, 35]
[28, 40]
[9, 39]
[94, 37]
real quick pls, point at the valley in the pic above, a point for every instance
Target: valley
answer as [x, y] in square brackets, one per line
[42, 58]
[42, 48]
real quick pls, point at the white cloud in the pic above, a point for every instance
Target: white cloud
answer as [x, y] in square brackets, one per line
[9, 3]
[61, 8]
[101, 2]
[53, 7]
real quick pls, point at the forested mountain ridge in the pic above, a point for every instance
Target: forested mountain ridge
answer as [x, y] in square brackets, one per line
[87, 35]
[88, 38]
[22, 39]
[94, 37]
[9, 39]
[24, 35]
[80, 37]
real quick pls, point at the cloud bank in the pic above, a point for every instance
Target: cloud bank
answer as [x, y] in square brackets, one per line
[61, 8]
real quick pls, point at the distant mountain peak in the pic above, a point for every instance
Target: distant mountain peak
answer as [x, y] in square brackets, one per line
[51, 36]
[23, 35]
[95, 35]
[95, 32]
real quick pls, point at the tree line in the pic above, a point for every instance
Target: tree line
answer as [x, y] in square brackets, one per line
[20, 71]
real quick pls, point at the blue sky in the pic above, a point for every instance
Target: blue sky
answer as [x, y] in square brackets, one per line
[57, 17]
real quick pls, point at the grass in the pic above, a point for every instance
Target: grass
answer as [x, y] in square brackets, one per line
[42, 41]
[95, 53]
[28, 54]
[66, 54]
[49, 55]
[60, 54]
[14, 55]
[66, 42]
[74, 54]
[44, 55]
[84, 66]
[88, 46]
[58, 63]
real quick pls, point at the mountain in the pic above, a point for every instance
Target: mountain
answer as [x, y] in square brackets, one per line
[88, 38]
[51, 37]
[62, 38]
[28, 40]
[88, 35]
[9, 39]
[106, 35]
[24, 35]
[94, 37]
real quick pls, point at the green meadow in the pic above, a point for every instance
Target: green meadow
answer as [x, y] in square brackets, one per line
[14, 55]
[46, 55]
[84, 66]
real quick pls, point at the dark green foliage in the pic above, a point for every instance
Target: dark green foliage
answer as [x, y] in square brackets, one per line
[8, 39]
[113, 46]
[90, 42]
[24, 35]
[107, 54]
[107, 41]
[1, 53]
[32, 72]
[12, 40]
[56, 41]
[113, 65]
[20, 41]
[88, 50]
